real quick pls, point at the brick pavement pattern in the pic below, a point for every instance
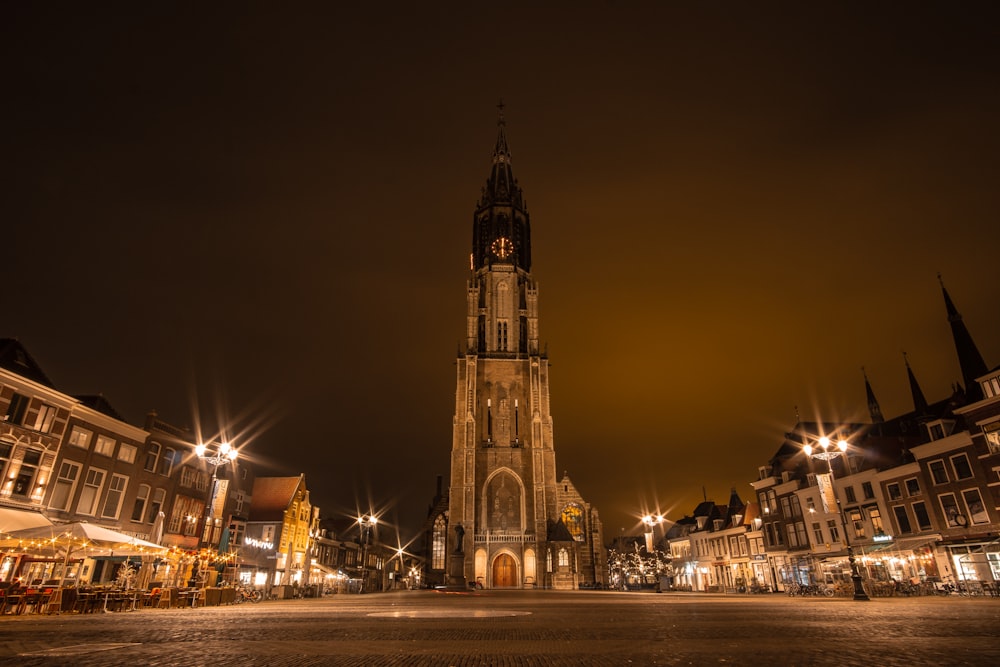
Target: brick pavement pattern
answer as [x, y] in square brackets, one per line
[521, 628]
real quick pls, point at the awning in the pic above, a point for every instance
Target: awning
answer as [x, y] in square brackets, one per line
[326, 569]
[12, 519]
[906, 545]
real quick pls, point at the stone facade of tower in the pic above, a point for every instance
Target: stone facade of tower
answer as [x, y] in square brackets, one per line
[511, 522]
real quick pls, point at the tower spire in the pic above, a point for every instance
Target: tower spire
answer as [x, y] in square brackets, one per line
[919, 402]
[970, 361]
[873, 407]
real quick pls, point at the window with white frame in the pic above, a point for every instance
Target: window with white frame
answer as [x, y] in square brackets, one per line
[563, 558]
[65, 484]
[5, 450]
[912, 487]
[24, 483]
[902, 519]
[858, 523]
[834, 530]
[991, 432]
[952, 514]
[817, 533]
[960, 464]
[156, 505]
[46, 415]
[113, 500]
[127, 453]
[80, 437]
[152, 454]
[875, 516]
[139, 506]
[105, 446]
[938, 473]
[893, 491]
[922, 516]
[974, 504]
[166, 465]
[92, 484]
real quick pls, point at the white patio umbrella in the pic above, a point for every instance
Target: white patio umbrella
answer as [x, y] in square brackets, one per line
[72, 538]
[15, 519]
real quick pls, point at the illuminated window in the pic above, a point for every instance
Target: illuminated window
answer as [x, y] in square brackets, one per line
[127, 453]
[64, 485]
[46, 415]
[104, 446]
[439, 541]
[572, 517]
[24, 484]
[563, 558]
[80, 437]
[858, 522]
[992, 433]
[876, 518]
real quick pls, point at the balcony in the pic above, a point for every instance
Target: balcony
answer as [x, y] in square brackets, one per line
[502, 537]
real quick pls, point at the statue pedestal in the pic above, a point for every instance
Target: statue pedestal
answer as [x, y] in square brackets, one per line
[456, 572]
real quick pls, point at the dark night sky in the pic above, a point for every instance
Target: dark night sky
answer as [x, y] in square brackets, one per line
[266, 213]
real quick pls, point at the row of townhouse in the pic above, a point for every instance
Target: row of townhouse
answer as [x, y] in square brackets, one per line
[74, 458]
[913, 499]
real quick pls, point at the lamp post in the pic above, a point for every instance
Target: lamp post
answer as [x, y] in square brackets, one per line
[827, 451]
[222, 453]
[366, 523]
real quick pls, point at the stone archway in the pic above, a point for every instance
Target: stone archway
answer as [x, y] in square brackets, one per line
[504, 572]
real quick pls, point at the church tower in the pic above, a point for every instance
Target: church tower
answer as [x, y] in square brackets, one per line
[512, 523]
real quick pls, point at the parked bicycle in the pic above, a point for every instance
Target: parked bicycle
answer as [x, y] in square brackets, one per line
[246, 594]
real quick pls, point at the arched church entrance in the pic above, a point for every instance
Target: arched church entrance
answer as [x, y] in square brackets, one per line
[504, 571]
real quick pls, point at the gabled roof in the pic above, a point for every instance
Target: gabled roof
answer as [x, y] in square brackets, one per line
[558, 532]
[100, 404]
[272, 496]
[15, 358]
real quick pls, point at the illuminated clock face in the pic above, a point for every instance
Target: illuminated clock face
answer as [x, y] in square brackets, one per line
[502, 247]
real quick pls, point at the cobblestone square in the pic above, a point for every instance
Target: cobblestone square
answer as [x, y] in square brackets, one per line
[522, 628]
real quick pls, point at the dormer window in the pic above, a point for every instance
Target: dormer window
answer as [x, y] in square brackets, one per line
[991, 387]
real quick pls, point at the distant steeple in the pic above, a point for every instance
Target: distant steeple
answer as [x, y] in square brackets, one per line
[873, 407]
[919, 402]
[969, 359]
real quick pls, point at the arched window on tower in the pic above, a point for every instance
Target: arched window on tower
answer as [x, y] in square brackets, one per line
[502, 335]
[439, 540]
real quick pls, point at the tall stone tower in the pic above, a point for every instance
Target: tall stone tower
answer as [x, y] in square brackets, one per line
[512, 524]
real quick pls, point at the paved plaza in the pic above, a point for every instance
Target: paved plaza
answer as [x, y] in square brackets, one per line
[522, 628]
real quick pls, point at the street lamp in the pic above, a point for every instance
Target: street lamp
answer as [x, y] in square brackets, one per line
[827, 451]
[651, 520]
[366, 523]
[221, 454]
